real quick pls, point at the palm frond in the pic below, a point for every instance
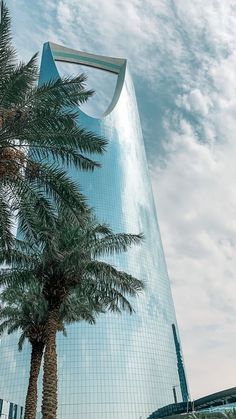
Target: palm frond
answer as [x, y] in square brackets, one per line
[13, 328]
[104, 273]
[58, 186]
[21, 341]
[46, 120]
[63, 92]
[95, 229]
[29, 204]
[117, 302]
[17, 84]
[114, 243]
[6, 223]
[4, 326]
[63, 156]
[7, 52]
[80, 305]
[21, 255]
[12, 277]
[56, 134]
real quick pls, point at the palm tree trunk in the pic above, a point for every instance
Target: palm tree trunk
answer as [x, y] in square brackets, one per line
[49, 404]
[32, 394]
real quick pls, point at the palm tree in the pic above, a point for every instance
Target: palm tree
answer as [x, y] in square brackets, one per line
[38, 136]
[68, 258]
[24, 308]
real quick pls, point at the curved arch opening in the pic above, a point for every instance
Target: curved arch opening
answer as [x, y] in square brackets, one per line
[102, 82]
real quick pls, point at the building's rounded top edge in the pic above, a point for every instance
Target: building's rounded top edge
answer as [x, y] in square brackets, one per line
[70, 55]
[111, 64]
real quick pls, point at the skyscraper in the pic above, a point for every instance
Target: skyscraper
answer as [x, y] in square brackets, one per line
[125, 366]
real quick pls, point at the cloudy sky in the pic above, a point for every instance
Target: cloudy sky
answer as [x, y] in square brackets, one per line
[182, 54]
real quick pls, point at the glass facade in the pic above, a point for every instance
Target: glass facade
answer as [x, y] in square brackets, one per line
[125, 366]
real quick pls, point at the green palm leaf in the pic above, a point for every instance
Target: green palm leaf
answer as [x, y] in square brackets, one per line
[63, 92]
[7, 53]
[17, 84]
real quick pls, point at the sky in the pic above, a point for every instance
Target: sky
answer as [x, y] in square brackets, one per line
[182, 56]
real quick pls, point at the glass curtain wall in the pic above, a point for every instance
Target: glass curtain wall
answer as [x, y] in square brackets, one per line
[124, 366]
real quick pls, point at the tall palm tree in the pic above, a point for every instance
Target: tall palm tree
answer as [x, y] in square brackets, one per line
[24, 308]
[69, 258]
[38, 136]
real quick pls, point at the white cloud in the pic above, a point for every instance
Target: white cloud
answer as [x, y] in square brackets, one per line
[197, 206]
[64, 14]
[195, 101]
